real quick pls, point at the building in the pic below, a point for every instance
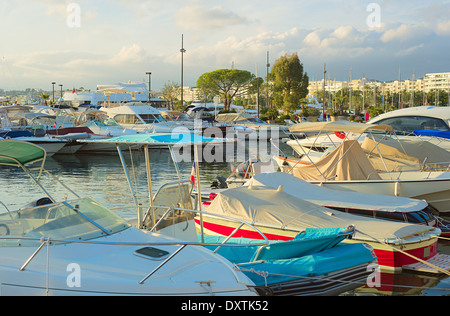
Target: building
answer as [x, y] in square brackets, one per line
[429, 83]
[433, 81]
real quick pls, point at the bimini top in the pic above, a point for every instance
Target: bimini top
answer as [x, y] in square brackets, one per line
[160, 139]
[341, 126]
[16, 153]
[265, 206]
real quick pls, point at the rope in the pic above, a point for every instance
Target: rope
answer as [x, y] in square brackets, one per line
[409, 255]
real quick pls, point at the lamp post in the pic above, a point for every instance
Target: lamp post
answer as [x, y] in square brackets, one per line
[149, 85]
[53, 86]
[182, 50]
[61, 91]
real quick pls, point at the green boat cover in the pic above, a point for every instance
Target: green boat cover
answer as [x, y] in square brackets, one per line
[16, 152]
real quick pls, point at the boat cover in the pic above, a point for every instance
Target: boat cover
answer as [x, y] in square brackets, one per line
[338, 126]
[277, 209]
[14, 152]
[347, 162]
[313, 252]
[432, 133]
[160, 139]
[406, 151]
[335, 198]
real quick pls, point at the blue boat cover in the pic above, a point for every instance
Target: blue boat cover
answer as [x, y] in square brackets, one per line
[313, 252]
[160, 139]
[432, 133]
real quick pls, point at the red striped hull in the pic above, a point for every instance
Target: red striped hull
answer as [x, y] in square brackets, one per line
[388, 258]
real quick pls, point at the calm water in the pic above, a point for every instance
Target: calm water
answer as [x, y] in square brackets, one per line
[102, 177]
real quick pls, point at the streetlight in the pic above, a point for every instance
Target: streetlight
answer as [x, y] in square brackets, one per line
[149, 85]
[61, 91]
[182, 50]
[53, 84]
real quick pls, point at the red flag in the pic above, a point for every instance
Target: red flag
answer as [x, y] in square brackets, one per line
[73, 91]
[193, 174]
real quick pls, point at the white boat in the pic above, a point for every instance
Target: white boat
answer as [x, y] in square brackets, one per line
[280, 216]
[79, 247]
[142, 117]
[313, 265]
[263, 130]
[409, 120]
[348, 167]
[50, 144]
[387, 207]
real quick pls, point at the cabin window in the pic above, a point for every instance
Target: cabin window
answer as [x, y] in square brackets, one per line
[152, 118]
[393, 216]
[127, 119]
[418, 217]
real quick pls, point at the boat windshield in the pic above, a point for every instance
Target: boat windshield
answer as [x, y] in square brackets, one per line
[152, 118]
[72, 220]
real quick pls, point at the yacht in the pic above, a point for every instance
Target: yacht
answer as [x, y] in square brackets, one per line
[76, 246]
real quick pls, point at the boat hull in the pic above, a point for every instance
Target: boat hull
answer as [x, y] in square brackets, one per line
[436, 191]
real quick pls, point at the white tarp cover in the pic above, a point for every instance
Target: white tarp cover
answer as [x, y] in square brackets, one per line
[335, 198]
[274, 208]
[347, 162]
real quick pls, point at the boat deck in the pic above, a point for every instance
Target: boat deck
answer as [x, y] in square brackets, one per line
[440, 260]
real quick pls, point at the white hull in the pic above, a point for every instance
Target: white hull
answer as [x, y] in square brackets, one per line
[436, 191]
[116, 270]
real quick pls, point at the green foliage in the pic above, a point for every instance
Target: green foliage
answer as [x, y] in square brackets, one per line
[227, 83]
[290, 83]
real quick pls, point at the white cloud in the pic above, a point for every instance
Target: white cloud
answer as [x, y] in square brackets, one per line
[402, 33]
[443, 28]
[409, 50]
[197, 17]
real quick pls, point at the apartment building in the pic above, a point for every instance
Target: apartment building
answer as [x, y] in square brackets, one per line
[430, 82]
[435, 81]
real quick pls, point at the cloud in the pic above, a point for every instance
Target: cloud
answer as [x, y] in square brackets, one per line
[409, 50]
[443, 28]
[80, 65]
[199, 18]
[402, 33]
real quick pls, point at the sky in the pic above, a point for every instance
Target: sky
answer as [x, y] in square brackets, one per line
[82, 43]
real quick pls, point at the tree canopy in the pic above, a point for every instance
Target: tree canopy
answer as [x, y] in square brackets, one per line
[227, 83]
[290, 83]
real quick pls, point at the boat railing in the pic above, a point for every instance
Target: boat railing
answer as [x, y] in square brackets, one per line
[172, 216]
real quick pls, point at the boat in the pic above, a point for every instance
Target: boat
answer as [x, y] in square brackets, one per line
[79, 247]
[349, 167]
[386, 207]
[408, 120]
[263, 130]
[142, 117]
[167, 212]
[281, 216]
[314, 263]
[50, 144]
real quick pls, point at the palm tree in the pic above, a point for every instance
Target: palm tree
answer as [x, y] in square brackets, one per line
[45, 96]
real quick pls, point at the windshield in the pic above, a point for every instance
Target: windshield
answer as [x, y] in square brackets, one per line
[71, 220]
[152, 118]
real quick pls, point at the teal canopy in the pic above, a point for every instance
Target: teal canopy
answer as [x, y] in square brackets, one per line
[160, 139]
[16, 153]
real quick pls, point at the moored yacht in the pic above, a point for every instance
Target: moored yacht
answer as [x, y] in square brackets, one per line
[79, 247]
